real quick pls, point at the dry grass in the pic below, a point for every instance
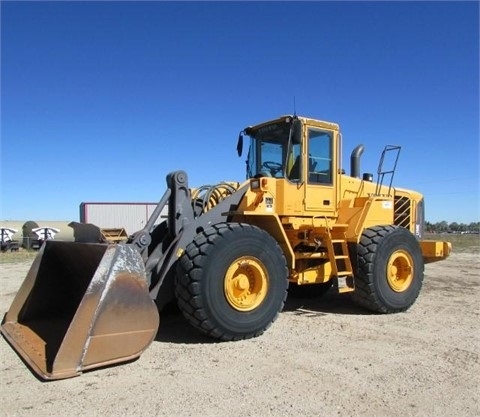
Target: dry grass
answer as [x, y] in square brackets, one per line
[18, 256]
[460, 243]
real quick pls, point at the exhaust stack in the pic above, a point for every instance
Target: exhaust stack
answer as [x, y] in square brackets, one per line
[355, 161]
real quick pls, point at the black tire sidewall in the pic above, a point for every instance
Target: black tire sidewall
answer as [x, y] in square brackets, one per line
[397, 239]
[227, 246]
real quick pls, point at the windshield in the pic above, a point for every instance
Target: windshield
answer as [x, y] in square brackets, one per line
[271, 152]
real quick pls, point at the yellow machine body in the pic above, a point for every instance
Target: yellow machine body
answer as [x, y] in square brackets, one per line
[325, 217]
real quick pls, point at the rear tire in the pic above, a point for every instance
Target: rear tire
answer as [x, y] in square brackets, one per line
[232, 281]
[390, 269]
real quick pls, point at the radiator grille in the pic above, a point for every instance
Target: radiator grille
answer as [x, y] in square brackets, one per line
[402, 212]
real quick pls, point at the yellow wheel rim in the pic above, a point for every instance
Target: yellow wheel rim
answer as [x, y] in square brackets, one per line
[246, 283]
[400, 271]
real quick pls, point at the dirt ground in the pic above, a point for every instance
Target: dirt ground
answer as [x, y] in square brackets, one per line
[323, 357]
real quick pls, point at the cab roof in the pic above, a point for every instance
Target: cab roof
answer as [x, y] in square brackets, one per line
[306, 120]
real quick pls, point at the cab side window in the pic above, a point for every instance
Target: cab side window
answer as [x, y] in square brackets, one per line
[319, 157]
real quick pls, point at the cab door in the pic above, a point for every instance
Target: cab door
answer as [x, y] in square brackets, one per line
[320, 169]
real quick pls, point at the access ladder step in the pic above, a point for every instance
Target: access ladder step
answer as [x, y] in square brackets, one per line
[339, 258]
[345, 284]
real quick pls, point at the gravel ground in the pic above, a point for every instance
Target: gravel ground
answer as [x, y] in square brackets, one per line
[322, 357]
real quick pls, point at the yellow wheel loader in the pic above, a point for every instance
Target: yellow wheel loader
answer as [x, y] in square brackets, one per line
[229, 254]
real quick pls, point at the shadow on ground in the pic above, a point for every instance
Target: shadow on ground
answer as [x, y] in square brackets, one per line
[174, 328]
[330, 303]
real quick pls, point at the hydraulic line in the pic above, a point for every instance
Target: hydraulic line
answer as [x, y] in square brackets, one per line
[208, 196]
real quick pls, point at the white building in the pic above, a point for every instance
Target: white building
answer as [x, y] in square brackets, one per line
[129, 216]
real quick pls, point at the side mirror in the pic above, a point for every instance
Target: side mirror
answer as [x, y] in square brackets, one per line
[240, 144]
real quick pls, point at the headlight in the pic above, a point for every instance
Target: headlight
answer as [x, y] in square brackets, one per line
[255, 184]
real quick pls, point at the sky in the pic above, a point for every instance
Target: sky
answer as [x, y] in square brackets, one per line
[101, 100]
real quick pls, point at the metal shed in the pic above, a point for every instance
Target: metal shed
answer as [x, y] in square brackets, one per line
[129, 216]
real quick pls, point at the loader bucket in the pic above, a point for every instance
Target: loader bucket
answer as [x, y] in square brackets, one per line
[81, 306]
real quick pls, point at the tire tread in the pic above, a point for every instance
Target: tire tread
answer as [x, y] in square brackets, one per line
[188, 287]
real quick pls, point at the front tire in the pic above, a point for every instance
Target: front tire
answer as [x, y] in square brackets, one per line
[232, 281]
[390, 268]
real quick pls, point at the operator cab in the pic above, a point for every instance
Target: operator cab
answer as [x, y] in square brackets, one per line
[300, 152]
[275, 150]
